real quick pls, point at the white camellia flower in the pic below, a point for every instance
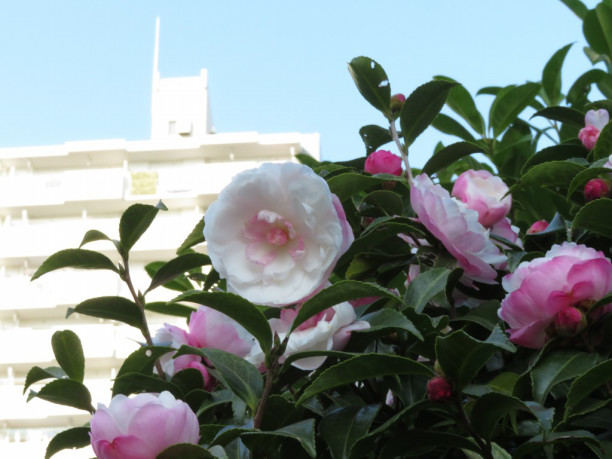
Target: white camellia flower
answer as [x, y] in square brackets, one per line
[275, 233]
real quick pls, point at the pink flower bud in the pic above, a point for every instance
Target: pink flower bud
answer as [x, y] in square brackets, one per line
[439, 389]
[537, 227]
[383, 162]
[596, 188]
[569, 322]
[397, 102]
[588, 135]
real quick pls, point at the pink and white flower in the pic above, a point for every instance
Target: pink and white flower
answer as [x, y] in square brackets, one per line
[594, 121]
[457, 228]
[568, 276]
[537, 227]
[141, 427]
[383, 162]
[275, 233]
[330, 329]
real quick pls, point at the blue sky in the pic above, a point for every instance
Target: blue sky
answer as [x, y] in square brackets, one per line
[81, 70]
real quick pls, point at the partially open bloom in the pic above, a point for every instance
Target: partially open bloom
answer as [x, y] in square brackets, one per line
[596, 188]
[275, 233]
[383, 162]
[330, 329]
[569, 322]
[568, 276]
[485, 193]
[594, 121]
[537, 227]
[457, 228]
[141, 427]
[211, 328]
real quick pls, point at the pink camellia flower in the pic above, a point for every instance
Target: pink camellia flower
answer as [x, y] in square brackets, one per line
[439, 389]
[457, 228]
[275, 233]
[596, 188]
[594, 121]
[330, 329]
[537, 227]
[569, 322]
[141, 427]
[568, 276]
[485, 193]
[383, 162]
[211, 328]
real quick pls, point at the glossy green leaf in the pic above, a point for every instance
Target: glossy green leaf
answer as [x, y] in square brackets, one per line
[302, 431]
[179, 284]
[69, 354]
[374, 136]
[577, 7]
[424, 287]
[349, 184]
[448, 125]
[583, 177]
[388, 320]
[111, 307]
[554, 153]
[339, 293]
[133, 223]
[75, 258]
[579, 91]
[343, 427]
[550, 173]
[603, 147]
[37, 373]
[362, 367]
[422, 107]
[461, 356]
[372, 83]
[590, 217]
[171, 309]
[490, 408]
[484, 314]
[65, 392]
[76, 437]
[307, 354]
[186, 451]
[596, 26]
[134, 383]
[509, 104]
[461, 102]
[449, 155]
[95, 235]
[194, 238]
[385, 201]
[585, 385]
[142, 360]
[562, 114]
[556, 367]
[177, 267]
[537, 444]
[551, 76]
[242, 311]
[422, 443]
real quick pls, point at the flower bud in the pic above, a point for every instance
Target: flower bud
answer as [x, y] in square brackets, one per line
[397, 102]
[588, 135]
[439, 389]
[383, 162]
[538, 227]
[569, 322]
[596, 188]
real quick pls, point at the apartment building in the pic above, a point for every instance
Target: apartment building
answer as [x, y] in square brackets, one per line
[51, 195]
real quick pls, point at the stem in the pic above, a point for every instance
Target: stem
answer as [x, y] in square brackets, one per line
[270, 377]
[403, 150]
[485, 447]
[145, 326]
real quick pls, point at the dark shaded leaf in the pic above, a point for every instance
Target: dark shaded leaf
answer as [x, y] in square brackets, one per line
[343, 427]
[69, 354]
[424, 287]
[603, 147]
[65, 392]
[538, 444]
[372, 83]
[111, 307]
[177, 267]
[134, 383]
[302, 431]
[585, 385]
[461, 102]
[562, 114]
[577, 7]
[194, 238]
[590, 217]
[186, 451]
[555, 153]
[388, 320]
[449, 155]
[76, 437]
[448, 125]
[583, 177]
[509, 103]
[490, 408]
[95, 235]
[417, 443]
[75, 258]
[551, 75]
[551, 173]
[38, 374]
[374, 136]
[134, 222]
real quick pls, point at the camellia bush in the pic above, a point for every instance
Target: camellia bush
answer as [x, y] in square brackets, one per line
[368, 309]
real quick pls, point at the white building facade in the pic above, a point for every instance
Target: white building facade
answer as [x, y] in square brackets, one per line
[51, 196]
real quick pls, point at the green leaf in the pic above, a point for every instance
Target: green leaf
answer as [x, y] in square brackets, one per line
[95, 235]
[449, 155]
[242, 311]
[172, 309]
[577, 7]
[551, 76]
[590, 217]
[583, 177]
[421, 108]
[339, 293]
[195, 237]
[389, 319]
[302, 431]
[238, 375]
[372, 83]
[374, 136]
[188, 379]
[76, 437]
[360, 367]
[537, 444]
[134, 222]
[556, 367]
[578, 93]
[307, 354]
[461, 102]
[177, 267]
[461, 356]
[111, 307]
[424, 287]
[484, 314]
[38, 374]
[596, 26]
[550, 173]
[385, 201]
[65, 392]
[448, 125]
[586, 384]
[562, 114]
[186, 451]
[75, 258]
[142, 360]
[347, 185]
[509, 103]
[418, 443]
[343, 427]
[133, 383]
[69, 354]
[180, 284]
[554, 153]
[490, 408]
[603, 147]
